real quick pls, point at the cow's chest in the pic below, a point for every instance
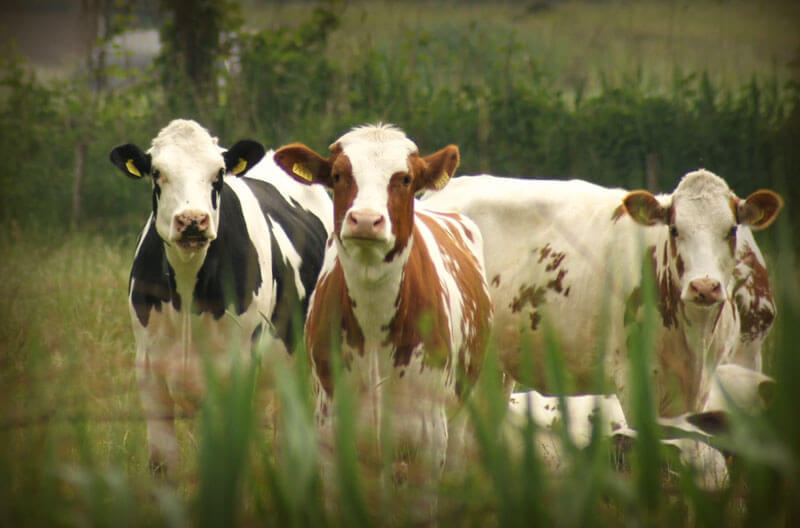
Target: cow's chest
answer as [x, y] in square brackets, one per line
[178, 346]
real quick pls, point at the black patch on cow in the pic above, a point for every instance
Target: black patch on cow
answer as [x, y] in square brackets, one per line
[230, 273]
[156, 196]
[308, 236]
[152, 279]
[216, 189]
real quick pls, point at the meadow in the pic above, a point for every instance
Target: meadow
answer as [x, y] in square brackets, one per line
[619, 93]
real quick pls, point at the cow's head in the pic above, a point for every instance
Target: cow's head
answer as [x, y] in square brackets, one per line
[374, 172]
[187, 168]
[702, 216]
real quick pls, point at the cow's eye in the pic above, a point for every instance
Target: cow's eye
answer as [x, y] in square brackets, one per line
[336, 177]
[407, 180]
[673, 231]
[731, 233]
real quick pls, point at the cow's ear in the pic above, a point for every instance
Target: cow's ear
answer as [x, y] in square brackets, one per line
[242, 156]
[438, 168]
[759, 210]
[304, 165]
[131, 160]
[645, 209]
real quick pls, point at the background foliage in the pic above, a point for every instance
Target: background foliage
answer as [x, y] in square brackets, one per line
[477, 85]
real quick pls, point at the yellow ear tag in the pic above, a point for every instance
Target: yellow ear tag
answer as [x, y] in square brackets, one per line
[441, 181]
[132, 168]
[302, 171]
[240, 167]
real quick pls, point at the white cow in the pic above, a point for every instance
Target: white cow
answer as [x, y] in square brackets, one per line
[567, 257]
[222, 260]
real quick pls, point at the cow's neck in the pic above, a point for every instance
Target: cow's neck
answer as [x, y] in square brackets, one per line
[374, 290]
[186, 265]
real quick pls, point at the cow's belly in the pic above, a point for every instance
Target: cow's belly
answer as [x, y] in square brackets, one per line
[177, 349]
[414, 398]
[528, 311]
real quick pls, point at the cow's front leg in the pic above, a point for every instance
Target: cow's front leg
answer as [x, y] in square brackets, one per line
[159, 411]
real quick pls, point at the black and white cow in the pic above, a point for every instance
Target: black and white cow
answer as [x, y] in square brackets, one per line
[222, 258]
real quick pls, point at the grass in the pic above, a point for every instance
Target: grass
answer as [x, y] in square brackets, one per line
[72, 438]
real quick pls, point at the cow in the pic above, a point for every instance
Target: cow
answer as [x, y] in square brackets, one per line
[690, 436]
[402, 301]
[565, 259]
[223, 259]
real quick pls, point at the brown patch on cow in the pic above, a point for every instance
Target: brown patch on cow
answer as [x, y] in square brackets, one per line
[555, 284]
[669, 293]
[679, 266]
[401, 209]
[557, 257]
[544, 252]
[477, 306]
[533, 295]
[673, 249]
[344, 190]
[535, 319]
[619, 212]
[758, 315]
[566, 292]
[420, 317]
[667, 290]
[331, 322]
[496, 281]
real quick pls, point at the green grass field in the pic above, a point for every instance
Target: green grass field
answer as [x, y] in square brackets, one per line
[72, 437]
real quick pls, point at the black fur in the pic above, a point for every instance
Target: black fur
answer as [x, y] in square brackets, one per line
[308, 235]
[152, 279]
[231, 273]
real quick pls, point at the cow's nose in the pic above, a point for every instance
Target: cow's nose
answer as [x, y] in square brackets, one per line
[196, 219]
[705, 291]
[365, 224]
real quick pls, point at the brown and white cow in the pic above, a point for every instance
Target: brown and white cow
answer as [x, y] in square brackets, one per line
[568, 256]
[402, 300]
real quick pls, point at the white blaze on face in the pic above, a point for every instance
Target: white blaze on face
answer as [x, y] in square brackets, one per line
[186, 161]
[375, 155]
[705, 226]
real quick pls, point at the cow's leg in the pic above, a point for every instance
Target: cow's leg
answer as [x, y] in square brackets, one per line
[420, 462]
[159, 410]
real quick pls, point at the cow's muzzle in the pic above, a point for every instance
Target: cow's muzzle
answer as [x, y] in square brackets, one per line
[705, 291]
[192, 228]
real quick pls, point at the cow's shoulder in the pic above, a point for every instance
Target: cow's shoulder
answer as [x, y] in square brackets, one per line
[152, 279]
[297, 238]
[331, 322]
